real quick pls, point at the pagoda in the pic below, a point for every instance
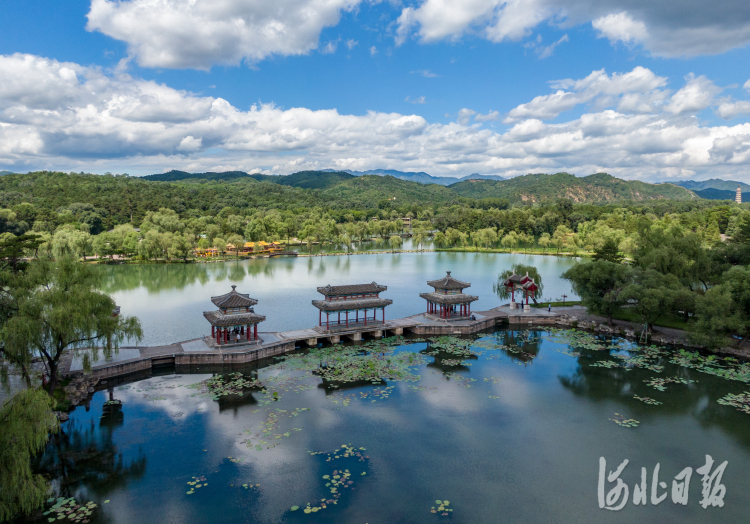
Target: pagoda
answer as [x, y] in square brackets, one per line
[448, 301]
[525, 284]
[738, 195]
[355, 302]
[235, 317]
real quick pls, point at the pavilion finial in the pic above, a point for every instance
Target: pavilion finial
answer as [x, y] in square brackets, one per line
[234, 287]
[448, 273]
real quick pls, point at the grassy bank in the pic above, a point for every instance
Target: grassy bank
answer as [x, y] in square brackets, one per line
[526, 251]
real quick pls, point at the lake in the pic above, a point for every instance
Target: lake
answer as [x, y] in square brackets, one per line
[169, 299]
[499, 427]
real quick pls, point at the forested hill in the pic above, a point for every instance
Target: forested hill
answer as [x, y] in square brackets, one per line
[596, 188]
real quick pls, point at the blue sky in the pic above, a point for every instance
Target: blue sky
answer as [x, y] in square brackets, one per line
[497, 87]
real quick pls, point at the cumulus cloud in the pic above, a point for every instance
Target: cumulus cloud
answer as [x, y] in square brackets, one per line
[663, 27]
[58, 115]
[201, 33]
[638, 91]
[697, 95]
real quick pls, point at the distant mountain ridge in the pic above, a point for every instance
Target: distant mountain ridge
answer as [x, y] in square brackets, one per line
[721, 194]
[346, 186]
[713, 183]
[6, 173]
[421, 177]
[599, 187]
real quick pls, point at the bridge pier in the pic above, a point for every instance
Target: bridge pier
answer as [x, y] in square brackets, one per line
[398, 331]
[355, 337]
[335, 339]
[378, 333]
[312, 342]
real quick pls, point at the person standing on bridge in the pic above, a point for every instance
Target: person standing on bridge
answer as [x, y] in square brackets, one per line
[549, 308]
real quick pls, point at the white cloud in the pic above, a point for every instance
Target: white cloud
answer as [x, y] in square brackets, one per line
[620, 27]
[546, 52]
[638, 91]
[330, 47]
[464, 116]
[419, 100]
[351, 43]
[51, 118]
[425, 73]
[373, 51]
[489, 117]
[663, 27]
[201, 33]
[697, 95]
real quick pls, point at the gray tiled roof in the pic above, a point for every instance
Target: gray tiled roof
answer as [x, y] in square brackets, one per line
[448, 282]
[516, 279]
[351, 305]
[353, 289]
[440, 298]
[217, 318]
[233, 299]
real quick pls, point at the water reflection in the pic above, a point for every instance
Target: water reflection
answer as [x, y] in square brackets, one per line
[530, 415]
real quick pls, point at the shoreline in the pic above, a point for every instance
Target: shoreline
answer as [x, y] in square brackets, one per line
[332, 254]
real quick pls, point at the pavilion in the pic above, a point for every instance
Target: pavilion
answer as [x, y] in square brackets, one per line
[525, 284]
[448, 301]
[235, 316]
[355, 302]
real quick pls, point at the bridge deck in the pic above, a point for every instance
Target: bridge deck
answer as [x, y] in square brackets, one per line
[205, 351]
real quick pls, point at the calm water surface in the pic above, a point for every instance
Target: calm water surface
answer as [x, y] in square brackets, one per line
[170, 299]
[513, 435]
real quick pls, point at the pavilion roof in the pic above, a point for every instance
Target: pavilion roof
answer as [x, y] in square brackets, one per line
[448, 282]
[351, 305]
[233, 299]
[352, 289]
[441, 298]
[217, 318]
[514, 279]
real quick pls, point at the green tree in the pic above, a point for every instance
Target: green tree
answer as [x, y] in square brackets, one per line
[519, 269]
[600, 284]
[419, 236]
[395, 242]
[65, 311]
[651, 294]
[441, 240]
[220, 244]
[510, 240]
[608, 251]
[544, 241]
[182, 246]
[26, 421]
[238, 242]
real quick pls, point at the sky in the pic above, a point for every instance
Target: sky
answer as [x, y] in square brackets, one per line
[654, 90]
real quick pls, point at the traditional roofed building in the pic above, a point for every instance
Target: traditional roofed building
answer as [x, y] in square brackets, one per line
[524, 284]
[234, 317]
[738, 195]
[350, 300]
[448, 300]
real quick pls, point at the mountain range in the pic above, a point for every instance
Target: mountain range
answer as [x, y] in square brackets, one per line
[345, 186]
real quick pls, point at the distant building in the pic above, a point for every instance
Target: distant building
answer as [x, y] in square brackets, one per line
[407, 222]
[738, 196]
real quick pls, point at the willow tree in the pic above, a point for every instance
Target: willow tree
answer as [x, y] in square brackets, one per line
[26, 421]
[63, 310]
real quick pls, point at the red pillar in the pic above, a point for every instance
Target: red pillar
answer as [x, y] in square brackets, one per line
[328, 327]
[255, 332]
[242, 330]
[213, 331]
[320, 317]
[347, 319]
[356, 313]
[365, 317]
[339, 318]
[226, 335]
[383, 315]
[469, 309]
